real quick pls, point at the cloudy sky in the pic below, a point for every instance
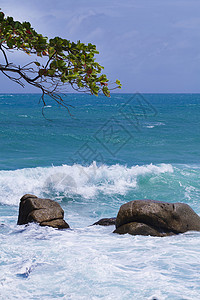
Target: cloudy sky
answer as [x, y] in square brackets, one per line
[150, 45]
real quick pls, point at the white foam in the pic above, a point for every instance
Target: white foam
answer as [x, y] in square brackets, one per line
[95, 262]
[73, 180]
[153, 124]
[23, 116]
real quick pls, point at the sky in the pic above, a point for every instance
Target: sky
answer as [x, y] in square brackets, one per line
[151, 46]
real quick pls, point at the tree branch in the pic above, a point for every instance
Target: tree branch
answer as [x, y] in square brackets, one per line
[4, 54]
[66, 63]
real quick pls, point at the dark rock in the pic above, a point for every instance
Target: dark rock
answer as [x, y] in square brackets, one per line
[105, 222]
[135, 228]
[46, 212]
[59, 223]
[27, 196]
[162, 217]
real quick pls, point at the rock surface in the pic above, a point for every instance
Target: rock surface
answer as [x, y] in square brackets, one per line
[135, 228]
[105, 222]
[156, 218]
[46, 212]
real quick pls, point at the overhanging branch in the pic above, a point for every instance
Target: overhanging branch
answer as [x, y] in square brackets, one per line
[4, 54]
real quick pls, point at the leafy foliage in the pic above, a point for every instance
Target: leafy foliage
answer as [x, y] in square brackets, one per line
[65, 62]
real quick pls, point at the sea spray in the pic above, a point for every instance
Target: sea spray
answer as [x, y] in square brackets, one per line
[74, 180]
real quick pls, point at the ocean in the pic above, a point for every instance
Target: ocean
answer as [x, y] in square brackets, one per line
[106, 152]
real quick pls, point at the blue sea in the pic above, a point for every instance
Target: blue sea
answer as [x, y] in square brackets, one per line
[106, 152]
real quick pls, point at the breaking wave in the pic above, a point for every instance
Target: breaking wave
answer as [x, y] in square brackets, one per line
[74, 180]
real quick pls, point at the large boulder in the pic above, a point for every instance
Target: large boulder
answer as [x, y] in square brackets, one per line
[156, 218]
[46, 212]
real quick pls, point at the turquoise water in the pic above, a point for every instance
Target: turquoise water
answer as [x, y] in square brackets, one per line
[110, 151]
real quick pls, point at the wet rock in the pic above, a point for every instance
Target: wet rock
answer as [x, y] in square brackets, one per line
[105, 222]
[46, 212]
[59, 223]
[135, 228]
[156, 218]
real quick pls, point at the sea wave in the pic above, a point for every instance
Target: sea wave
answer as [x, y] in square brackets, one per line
[74, 180]
[153, 124]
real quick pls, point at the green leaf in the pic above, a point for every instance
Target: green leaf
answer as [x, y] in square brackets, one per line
[66, 62]
[51, 51]
[118, 83]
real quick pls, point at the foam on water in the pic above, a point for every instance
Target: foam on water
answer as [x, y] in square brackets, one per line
[153, 124]
[93, 263]
[74, 180]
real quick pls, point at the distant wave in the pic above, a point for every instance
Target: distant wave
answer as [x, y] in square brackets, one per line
[23, 116]
[73, 180]
[153, 124]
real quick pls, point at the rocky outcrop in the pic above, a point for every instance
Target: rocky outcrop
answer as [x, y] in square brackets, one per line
[105, 222]
[139, 217]
[156, 218]
[46, 212]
